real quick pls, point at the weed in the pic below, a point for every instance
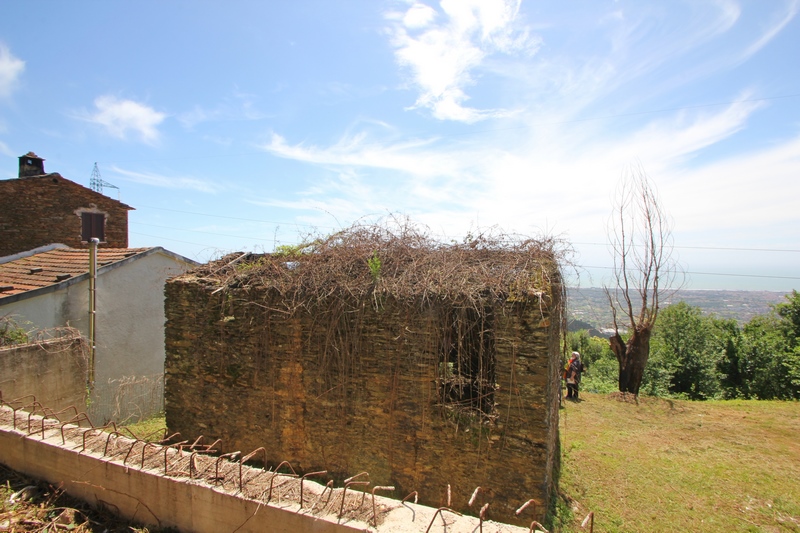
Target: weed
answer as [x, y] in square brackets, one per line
[374, 264]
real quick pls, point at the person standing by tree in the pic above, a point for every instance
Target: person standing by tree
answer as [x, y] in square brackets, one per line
[573, 375]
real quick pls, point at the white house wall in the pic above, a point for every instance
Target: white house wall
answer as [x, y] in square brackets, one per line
[130, 314]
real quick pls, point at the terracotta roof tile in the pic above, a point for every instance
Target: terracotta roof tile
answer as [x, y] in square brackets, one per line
[55, 266]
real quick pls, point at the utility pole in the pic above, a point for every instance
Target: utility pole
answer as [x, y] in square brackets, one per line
[93, 242]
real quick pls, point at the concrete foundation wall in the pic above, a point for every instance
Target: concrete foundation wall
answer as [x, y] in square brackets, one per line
[54, 371]
[188, 503]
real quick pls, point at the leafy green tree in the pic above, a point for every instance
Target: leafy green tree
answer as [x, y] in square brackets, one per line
[728, 338]
[789, 312]
[764, 345]
[591, 348]
[686, 337]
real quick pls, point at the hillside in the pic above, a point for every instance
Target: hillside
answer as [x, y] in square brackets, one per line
[664, 465]
[591, 306]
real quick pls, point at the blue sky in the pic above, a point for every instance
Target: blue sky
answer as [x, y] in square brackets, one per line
[245, 125]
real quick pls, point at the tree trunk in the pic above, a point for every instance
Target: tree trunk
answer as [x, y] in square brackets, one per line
[632, 358]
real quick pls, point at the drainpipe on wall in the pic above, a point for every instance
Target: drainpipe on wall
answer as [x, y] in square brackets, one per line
[92, 304]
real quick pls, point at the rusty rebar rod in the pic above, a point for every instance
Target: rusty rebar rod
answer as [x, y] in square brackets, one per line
[135, 442]
[538, 525]
[482, 516]
[525, 506]
[275, 474]
[166, 451]
[374, 512]
[144, 449]
[474, 495]
[72, 420]
[344, 493]
[84, 436]
[220, 458]
[31, 413]
[167, 439]
[589, 519]
[415, 494]
[302, 479]
[248, 457]
[348, 480]
[440, 512]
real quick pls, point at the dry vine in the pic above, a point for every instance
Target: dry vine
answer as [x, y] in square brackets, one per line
[338, 278]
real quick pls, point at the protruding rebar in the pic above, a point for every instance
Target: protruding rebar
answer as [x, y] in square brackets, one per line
[73, 420]
[374, 512]
[108, 440]
[275, 474]
[166, 451]
[440, 512]
[482, 516]
[144, 449]
[135, 442]
[353, 478]
[590, 520]
[248, 457]
[302, 479]
[539, 526]
[344, 493]
[474, 495]
[220, 458]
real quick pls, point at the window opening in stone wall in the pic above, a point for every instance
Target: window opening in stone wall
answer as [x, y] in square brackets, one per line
[467, 362]
[93, 226]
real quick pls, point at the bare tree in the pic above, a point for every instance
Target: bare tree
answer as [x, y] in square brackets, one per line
[644, 271]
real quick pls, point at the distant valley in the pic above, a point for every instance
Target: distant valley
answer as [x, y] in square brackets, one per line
[590, 305]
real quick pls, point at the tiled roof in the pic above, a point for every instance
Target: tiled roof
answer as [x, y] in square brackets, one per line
[54, 266]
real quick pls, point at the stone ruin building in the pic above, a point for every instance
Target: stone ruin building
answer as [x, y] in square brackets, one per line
[434, 368]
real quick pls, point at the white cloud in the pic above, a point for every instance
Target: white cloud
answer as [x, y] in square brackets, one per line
[419, 16]
[167, 182]
[774, 29]
[238, 106]
[121, 116]
[441, 57]
[5, 150]
[11, 68]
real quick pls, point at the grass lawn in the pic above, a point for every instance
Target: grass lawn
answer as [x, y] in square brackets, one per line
[668, 465]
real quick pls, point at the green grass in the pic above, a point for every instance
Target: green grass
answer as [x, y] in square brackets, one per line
[667, 465]
[152, 429]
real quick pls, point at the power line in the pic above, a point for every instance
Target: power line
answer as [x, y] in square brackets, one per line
[710, 248]
[236, 218]
[719, 248]
[205, 232]
[707, 273]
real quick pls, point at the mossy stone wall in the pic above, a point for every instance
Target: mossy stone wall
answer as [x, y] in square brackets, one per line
[313, 393]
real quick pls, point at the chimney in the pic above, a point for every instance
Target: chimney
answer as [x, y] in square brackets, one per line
[31, 164]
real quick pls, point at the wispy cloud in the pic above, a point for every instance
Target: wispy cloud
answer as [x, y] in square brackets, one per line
[441, 50]
[552, 165]
[121, 117]
[773, 29]
[238, 106]
[167, 182]
[5, 150]
[11, 68]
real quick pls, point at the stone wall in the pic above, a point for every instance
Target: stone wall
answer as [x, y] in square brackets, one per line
[239, 370]
[41, 210]
[54, 371]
